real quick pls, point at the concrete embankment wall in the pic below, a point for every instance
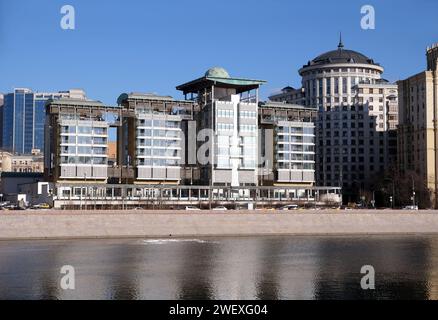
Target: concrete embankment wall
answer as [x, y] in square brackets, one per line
[98, 224]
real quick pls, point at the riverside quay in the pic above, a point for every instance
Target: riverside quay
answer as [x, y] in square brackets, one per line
[220, 145]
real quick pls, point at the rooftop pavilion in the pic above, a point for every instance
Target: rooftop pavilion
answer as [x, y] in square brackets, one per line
[219, 78]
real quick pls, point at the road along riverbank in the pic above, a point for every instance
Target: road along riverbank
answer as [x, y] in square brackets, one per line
[159, 224]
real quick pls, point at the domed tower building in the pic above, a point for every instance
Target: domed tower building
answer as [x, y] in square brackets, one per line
[227, 124]
[357, 119]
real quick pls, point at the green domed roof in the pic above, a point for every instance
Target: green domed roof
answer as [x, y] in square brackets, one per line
[217, 72]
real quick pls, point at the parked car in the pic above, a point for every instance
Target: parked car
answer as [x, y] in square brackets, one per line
[4, 204]
[290, 207]
[11, 207]
[192, 208]
[220, 208]
[412, 208]
[43, 206]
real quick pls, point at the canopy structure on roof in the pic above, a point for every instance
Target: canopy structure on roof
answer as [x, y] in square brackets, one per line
[219, 77]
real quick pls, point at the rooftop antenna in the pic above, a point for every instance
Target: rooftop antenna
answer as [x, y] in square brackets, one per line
[341, 44]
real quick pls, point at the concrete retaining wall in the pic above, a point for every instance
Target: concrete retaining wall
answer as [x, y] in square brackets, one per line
[95, 224]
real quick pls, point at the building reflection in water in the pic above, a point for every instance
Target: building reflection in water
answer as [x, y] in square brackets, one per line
[287, 267]
[224, 268]
[195, 270]
[29, 270]
[267, 287]
[402, 268]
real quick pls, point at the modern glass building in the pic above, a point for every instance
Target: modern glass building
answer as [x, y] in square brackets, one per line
[24, 118]
[291, 153]
[152, 137]
[76, 146]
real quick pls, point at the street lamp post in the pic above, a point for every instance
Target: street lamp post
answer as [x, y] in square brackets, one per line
[86, 191]
[413, 192]
[373, 202]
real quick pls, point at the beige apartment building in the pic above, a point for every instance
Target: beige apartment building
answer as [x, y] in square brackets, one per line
[5, 161]
[418, 131]
[33, 163]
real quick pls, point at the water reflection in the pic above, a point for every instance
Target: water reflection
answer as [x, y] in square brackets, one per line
[402, 268]
[228, 268]
[199, 258]
[268, 287]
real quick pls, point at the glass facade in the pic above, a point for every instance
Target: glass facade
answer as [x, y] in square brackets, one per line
[83, 145]
[295, 146]
[8, 125]
[23, 120]
[158, 142]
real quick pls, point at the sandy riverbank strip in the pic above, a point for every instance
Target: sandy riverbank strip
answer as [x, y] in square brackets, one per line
[27, 225]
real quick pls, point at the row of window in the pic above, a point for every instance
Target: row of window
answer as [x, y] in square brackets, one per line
[159, 143]
[225, 127]
[296, 139]
[353, 150]
[370, 160]
[225, 163]
[353, 142]
[245, 151]
[159, 123]
[296, 130]
[84, 150]
[347, 125]
[159, 133]
[28, 170]
[222, 113]
[354, 108]
[158, 153]
[84, 160]
[315, 87]
[295, 148]
[242, 128]
[336, 177]
[248, 114]
[360, 168]
[359, 133]
[296, 157]
[158, 162]
[83, 140]
[295, 166]
[334, 70]
[83, 130]
[224, 141]
[248, 128]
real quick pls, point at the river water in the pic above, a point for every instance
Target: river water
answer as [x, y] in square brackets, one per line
[222, 268]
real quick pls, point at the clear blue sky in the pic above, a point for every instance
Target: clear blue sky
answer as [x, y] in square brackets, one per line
[152, 46]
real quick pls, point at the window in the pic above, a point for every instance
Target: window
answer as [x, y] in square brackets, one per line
[222, 113]
[84, 130]
[225, 127]
[100, 131]
[248, 128]
[84, 150]
[344, 85]
[248, 114]
[84, 140]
